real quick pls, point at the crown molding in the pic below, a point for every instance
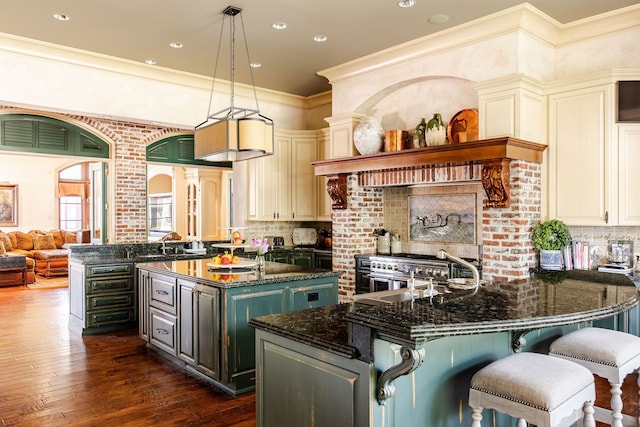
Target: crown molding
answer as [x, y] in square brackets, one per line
[76, 57]
[523, 18]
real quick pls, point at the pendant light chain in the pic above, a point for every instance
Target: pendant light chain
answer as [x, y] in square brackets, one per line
[246, 46]
[215, 66]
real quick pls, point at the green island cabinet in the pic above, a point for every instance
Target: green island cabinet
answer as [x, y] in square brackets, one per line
[102, 297]
[205, 327]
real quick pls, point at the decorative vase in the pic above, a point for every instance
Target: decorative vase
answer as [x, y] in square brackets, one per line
[551, 259]
[436, 132]
[368, 136]
[419, 134]
[260, 263]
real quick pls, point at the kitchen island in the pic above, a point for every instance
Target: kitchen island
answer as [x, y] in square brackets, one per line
[196, 313]
[381, 363]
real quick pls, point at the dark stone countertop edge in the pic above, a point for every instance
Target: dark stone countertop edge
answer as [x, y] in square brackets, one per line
[332, 347]
[416, 333]
[278, 277]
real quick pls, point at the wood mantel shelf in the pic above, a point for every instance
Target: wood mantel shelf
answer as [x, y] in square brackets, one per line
[495, 155]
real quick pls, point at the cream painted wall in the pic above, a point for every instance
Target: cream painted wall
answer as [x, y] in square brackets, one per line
[62, 80]
[37, 195]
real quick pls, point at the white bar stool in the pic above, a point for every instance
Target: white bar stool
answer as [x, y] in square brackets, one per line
[609, 354]
[543, 390]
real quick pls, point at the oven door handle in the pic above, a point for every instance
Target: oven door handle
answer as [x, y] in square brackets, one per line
[391, 281]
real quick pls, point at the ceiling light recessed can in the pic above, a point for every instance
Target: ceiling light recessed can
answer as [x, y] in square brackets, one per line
[440, 18]
[176, 45]
[255, 65]
[406, 3]
[150, 61]
[61, 17]
[320, 38]
[279, 25]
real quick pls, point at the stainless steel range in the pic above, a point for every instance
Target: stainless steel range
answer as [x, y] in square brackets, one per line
[376, 273]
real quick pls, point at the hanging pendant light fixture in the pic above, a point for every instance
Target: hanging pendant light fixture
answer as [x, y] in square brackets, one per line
[233, 134]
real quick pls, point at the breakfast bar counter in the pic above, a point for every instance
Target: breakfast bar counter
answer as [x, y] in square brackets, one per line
[410, 363]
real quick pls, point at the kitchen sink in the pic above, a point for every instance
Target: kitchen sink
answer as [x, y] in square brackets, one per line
[397, 295]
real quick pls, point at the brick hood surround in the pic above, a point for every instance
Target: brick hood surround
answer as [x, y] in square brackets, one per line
[508, 168]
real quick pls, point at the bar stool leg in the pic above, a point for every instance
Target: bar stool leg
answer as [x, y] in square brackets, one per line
[476, 417]
[587, 410]
[616, 405]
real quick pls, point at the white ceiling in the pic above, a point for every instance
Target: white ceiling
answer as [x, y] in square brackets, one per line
[142, 29]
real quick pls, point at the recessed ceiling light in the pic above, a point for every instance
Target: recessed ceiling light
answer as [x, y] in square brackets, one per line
[255, 65]
[150, 61]
[406, 3]
[320, 38]
[439, 19]
[175, 45]
[279, 25]
[61, 17]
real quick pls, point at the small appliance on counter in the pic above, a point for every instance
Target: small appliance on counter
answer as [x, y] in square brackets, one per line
[275, 241]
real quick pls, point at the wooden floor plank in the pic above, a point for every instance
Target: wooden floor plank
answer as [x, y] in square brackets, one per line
[53, 376]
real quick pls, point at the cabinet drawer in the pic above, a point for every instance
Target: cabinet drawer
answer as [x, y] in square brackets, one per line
[163, 293]
[109, 269]
[117, 284]
[107, 301]
[110, 317]
[162, 333]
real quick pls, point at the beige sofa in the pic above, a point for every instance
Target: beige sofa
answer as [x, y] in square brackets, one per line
[44, 250]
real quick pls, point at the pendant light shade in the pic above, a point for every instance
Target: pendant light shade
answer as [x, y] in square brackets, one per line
[233, 134]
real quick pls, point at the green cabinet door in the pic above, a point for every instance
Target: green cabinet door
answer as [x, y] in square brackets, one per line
[208, 337]
[243, 304]
[187, 318]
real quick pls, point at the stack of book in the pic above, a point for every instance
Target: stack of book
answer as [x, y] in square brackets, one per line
[579, 256]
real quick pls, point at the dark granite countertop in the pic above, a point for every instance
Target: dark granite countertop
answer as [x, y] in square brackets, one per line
[545, 300]
[203, 272]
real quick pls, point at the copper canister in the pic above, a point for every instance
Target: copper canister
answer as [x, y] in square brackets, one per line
[396, 140]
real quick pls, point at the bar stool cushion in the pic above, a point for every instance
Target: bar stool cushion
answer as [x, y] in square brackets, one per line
[598, 345]
[533, 379]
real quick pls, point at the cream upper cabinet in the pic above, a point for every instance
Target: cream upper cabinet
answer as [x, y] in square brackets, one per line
[629, 174]
[579, 157]
[282, 187]
[591, 173]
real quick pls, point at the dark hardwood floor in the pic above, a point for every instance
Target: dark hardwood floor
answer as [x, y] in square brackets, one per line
[51, 376]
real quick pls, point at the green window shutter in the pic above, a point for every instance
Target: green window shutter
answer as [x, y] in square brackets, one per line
[38, 134]
[178, 149]
[185, 149]
[51, 137]
[158, 152]
[17, 133]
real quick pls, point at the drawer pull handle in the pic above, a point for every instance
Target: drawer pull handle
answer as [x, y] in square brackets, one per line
[162, 331]
[162, 292]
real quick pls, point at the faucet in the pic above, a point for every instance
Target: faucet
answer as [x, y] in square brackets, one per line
[442, 254]
[164, 239]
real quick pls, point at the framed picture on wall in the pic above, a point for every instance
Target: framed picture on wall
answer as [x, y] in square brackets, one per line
[8, 205]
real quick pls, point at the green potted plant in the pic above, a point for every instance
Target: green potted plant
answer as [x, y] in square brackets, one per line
[550, 237]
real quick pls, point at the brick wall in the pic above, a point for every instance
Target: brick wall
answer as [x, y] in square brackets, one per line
[506, 232]
[128, 151]
[353, 232]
